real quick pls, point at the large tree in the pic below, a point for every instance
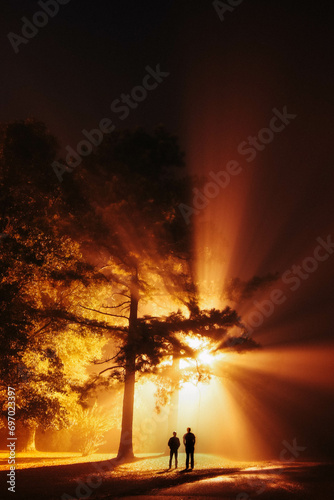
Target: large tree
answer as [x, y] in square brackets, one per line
[122, 209]
[123, 206]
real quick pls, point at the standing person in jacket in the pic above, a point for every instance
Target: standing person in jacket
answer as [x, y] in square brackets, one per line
[189, 442]
[174, 444]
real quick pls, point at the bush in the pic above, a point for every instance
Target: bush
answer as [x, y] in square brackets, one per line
[90, 428]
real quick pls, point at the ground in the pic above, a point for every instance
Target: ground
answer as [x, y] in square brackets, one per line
[65, 476]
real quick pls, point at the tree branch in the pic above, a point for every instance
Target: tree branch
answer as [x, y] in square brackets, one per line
[61, 314]
[106, 360]
[124, 294]
[42, 328]
[105, 313]
[111, 368]
[115, 307]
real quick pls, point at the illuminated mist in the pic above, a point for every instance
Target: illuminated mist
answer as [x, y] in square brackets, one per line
[247, 236]
[250, 233]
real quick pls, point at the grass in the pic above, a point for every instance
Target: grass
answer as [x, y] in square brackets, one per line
[30, 459]
[145, 461]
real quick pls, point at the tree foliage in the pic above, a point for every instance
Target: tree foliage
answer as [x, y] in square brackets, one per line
[42, 278]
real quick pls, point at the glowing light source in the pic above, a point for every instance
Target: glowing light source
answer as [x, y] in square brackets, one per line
[205, 353]
[206, 358]
[196, 342]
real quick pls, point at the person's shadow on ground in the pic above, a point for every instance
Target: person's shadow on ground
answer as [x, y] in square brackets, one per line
[165, 470]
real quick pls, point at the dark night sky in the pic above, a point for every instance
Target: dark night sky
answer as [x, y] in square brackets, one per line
[225, 79]
[261, 55]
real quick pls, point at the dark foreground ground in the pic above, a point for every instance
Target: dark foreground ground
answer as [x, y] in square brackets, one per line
[146, 479]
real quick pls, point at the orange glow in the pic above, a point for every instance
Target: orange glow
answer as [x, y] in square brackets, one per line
[235, 412]
[311, 366]
[204, 352]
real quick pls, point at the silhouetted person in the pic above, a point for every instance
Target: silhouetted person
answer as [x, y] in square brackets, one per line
[174, 444]
[189, 442]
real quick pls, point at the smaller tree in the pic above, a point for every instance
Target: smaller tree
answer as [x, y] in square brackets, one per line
[89, 429]
[46, 343]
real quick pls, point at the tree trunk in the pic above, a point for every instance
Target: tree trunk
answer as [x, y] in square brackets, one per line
[125, 450]
[174, 402]
[173, 415]
[31, 441]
